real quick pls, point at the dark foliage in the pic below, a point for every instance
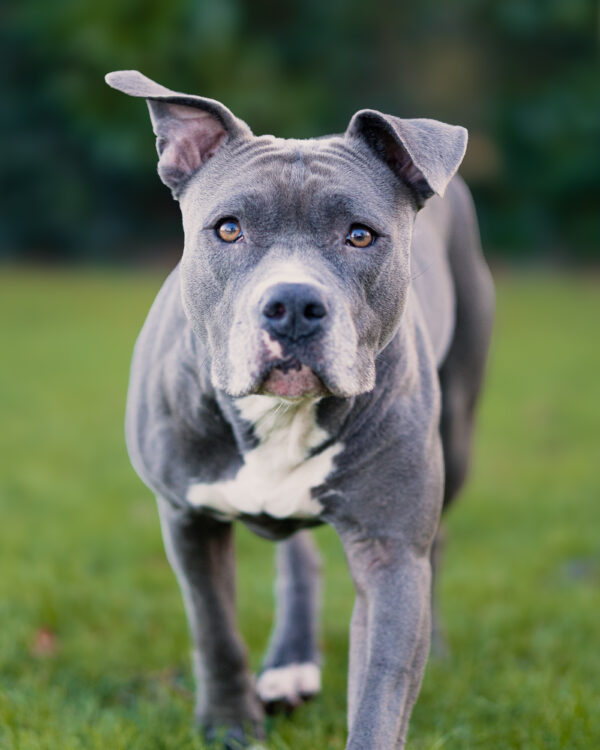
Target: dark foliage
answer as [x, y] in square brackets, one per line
[78, 162]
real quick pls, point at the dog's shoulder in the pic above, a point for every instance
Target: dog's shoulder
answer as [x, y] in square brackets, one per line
[174, 426]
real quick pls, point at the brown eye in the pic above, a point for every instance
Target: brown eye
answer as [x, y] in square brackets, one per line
[360, 236]
[229, 230]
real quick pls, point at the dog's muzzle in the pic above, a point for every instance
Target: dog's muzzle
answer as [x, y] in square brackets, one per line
[293, 315]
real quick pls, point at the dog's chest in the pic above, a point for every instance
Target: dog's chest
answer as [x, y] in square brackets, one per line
[278, 474]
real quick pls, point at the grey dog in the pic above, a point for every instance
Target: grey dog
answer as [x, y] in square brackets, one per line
[315, 357]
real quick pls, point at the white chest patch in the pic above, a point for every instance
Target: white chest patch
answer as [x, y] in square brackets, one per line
[277, 475]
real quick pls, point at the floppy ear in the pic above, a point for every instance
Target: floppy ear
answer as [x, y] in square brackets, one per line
[425, 154]
[189, 129]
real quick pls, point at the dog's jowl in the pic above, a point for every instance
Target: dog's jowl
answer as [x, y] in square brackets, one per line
[315, 357]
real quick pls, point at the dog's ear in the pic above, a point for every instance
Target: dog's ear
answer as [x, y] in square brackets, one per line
[189, 129]
[425, 154]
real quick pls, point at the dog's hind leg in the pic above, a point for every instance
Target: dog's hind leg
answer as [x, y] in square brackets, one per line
[201, 554]
[290, 673]
[439, 647]
[461, 373]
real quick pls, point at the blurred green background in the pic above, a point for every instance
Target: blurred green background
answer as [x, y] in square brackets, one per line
[78, 165]
[94, 649]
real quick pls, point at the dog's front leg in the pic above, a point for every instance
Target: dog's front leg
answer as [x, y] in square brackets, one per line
[389, 638]
[201, 554]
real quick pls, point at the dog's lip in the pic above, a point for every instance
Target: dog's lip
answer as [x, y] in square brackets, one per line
[291, 378]
[285, 365]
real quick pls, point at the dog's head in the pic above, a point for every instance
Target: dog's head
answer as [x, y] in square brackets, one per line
[296, 265]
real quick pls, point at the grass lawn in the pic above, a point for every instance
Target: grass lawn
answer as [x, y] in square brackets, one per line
[94, 650]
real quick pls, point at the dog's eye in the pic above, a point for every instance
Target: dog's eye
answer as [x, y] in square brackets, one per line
[360, 236]
[229, 230]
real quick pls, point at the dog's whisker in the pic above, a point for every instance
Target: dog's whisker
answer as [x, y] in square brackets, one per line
[421, 272]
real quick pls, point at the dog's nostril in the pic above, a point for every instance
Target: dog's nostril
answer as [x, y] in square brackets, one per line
[275, 310]
[314, 310]
[293, 311]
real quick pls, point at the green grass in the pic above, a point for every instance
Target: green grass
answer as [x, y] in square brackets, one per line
[94, 651]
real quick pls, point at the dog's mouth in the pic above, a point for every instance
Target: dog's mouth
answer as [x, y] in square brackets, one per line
[290, 378]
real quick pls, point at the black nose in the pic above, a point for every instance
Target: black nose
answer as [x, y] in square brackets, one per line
[293, 311]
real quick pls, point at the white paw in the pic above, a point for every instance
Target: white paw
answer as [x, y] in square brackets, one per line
[291, 684]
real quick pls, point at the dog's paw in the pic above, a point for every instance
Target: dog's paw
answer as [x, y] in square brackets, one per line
[234, 737]
[284, 688]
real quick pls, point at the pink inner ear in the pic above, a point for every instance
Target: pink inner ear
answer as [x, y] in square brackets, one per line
[188, 137]
[405, 167]
[410, 172]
